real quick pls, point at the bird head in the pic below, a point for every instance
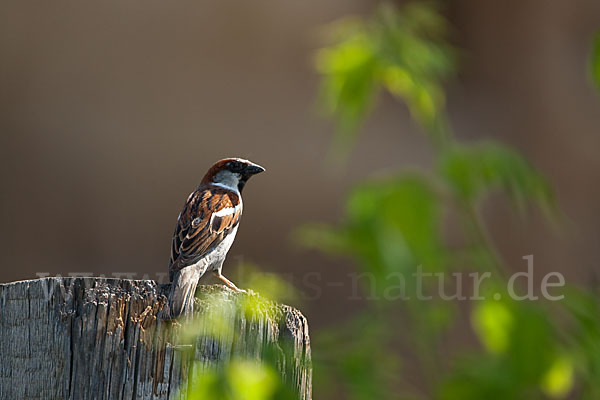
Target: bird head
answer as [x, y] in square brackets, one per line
[232, 173]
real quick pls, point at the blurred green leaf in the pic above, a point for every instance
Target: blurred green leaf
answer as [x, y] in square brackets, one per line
[522, 351]
[583, 337]
[533, 343]
[220, 309]
[359, 353]
[493, 323]
[260, 378]
[473, 171]
[400, 50]
[251, 380]
[206, 384]
[558, 381]
[348, 70]
[476, 378]
[241, 379]
[584, 307]
[216, 319]
[268, 285]
[397, 220]
[414, 57]
[390, 226]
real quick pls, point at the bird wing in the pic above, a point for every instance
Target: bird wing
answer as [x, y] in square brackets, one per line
[209, 215]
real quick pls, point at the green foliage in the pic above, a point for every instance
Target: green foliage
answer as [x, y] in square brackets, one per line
[404, 209]
[393, 227]
[240, 380]
[583, 338]
[475, 170]
[399, 51]
[269, 285]
[493, 322]
[524, 357]
[243, 378]
[558, 380]
[529, 350]
[358, 360]
[390, 226]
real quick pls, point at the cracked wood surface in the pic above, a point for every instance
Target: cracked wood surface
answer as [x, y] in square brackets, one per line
[95, 338]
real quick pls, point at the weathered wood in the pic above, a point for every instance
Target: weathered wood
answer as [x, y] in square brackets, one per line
[93, 338]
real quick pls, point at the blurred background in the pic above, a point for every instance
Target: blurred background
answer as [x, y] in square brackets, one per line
[112, 111]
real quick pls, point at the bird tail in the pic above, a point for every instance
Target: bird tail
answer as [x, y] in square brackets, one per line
[182, 293]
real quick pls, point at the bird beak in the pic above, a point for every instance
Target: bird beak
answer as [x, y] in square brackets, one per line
[253, 169]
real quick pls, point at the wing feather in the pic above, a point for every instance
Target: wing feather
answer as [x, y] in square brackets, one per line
[209, 214]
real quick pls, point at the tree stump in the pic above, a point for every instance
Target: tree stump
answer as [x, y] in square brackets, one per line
[94, 338]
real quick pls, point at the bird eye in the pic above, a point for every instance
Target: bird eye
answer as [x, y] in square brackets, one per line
[235, 166]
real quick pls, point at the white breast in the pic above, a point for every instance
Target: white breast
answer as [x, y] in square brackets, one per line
[217, 256]
[214, 259]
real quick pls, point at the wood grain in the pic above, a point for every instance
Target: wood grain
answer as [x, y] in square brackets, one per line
[94, 338]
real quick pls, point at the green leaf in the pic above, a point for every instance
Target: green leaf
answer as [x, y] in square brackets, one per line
[348, 76]
[476, 378]
[523, 349]
[402, 51]
[493, 322]
[252, 380]
[358, 351]
[474, 171]
[390, 226]
[558, 381]
[583, 310]
[393, 225]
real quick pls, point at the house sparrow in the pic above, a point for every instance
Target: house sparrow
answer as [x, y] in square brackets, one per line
[205, 231]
